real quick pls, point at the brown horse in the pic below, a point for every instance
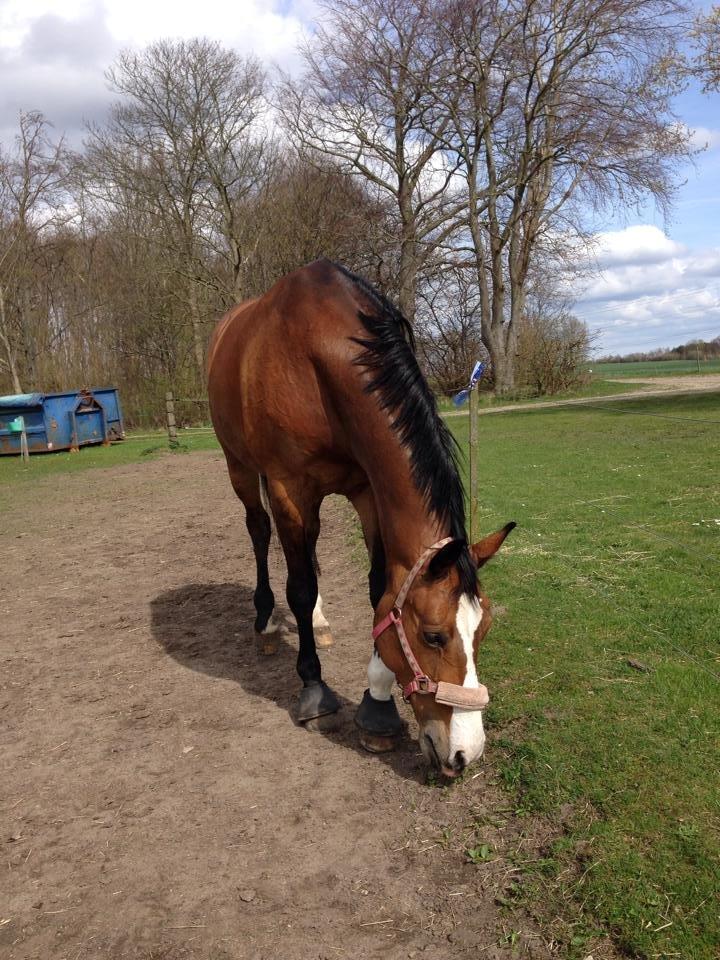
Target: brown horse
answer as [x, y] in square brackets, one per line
[314, 389]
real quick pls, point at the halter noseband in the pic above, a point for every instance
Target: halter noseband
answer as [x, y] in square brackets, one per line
[451, 694]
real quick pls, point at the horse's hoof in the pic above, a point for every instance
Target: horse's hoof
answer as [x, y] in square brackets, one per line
[328, 723]
[267, 643]
[378, 718]
[323, 638]
[375, 744]
[316, 700]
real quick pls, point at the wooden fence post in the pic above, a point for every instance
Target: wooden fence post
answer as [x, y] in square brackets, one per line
[474, 464]
[24, 444]
[171, 425]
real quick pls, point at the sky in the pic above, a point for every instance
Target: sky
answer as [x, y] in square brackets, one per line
[657, 282]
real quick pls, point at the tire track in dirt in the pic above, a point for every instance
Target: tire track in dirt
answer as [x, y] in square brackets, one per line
[158, 801]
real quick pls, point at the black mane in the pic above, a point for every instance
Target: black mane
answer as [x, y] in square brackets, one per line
[389, 353]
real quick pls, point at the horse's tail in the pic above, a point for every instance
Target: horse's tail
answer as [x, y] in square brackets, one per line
[265, 500]
[264, 496]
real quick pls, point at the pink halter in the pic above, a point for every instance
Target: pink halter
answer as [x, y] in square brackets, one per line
[452, 694]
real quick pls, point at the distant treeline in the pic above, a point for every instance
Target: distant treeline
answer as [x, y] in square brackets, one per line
[705, 349]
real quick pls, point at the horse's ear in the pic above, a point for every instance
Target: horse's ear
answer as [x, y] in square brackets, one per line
[444, 559]
[486, 548]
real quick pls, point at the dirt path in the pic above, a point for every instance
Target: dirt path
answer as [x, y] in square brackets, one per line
[656, 387]
[157, 800]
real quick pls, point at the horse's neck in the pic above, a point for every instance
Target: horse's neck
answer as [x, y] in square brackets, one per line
[407, 526]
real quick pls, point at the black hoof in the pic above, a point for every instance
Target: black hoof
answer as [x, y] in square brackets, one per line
[379, 717]
[316, 700]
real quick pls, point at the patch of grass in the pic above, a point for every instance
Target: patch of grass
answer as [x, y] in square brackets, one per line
[655, 368]
[616, 558]
[596, 387]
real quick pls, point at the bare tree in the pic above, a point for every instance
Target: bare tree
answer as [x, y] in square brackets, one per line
[448, 328]
[554, 346]
[182, 142]
[362, 100]
[565, 107]
[706, 40]
[32, 184]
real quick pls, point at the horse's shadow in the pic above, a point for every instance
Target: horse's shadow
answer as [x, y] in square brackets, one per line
[208, 627]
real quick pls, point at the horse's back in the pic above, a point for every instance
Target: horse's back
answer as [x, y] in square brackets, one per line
[271, 361]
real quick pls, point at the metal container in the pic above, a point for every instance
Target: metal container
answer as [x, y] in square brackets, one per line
[60, 421]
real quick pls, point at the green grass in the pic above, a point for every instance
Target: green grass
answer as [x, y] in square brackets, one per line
[655, 368]
[596, 387]
[616, 557]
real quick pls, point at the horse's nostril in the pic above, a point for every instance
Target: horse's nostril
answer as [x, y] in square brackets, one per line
[459, 762]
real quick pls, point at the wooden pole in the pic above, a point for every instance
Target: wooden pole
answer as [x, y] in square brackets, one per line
[474, 464]
[171, 425]
[24, 444]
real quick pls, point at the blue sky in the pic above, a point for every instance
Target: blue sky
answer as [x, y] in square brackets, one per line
[657, 283]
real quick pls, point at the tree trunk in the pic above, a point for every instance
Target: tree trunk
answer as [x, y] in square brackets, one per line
[408, 268]
[9, 352]
[198, 339]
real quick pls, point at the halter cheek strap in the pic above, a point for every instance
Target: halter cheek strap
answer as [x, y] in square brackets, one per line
[451, 694]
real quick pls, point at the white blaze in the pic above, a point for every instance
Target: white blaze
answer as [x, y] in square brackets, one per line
[380, 679]
[466, 726]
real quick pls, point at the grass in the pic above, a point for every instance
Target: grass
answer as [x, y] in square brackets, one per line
[655, 368]
[616, 559]
[596, 387]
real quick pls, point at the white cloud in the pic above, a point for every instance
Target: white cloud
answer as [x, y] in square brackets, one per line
[704, 138]
[53, 53]
[651, 291]
[642, 243]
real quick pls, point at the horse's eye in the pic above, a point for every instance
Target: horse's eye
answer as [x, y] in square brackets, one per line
[435, 639]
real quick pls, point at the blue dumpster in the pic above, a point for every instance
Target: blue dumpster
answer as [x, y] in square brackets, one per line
[60, 421]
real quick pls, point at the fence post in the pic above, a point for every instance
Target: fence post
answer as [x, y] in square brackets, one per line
[171, 425]
[474, 465]
[24, 444]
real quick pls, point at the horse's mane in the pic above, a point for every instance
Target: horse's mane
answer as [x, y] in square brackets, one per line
[389, 353]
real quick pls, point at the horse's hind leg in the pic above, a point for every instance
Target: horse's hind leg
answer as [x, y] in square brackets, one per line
[246, 485]
[297, 520]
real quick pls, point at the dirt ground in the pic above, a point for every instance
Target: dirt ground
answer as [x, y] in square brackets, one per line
[157, 799]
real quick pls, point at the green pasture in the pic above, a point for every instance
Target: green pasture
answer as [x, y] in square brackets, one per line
[654, 368]
[595, 387]
[616, 559]
[604, 670]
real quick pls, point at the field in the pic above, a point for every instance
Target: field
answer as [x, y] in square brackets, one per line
[655, 368]
[157, 779]
[606, 667]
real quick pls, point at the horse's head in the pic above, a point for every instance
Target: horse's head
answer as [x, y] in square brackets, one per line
[442, 623]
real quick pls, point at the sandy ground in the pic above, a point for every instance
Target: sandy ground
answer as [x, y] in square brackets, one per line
[157, 799]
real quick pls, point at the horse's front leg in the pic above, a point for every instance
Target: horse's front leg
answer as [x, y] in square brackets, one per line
[297, 523]
[377, 716]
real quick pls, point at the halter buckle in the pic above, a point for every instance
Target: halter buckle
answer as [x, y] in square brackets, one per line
[419, 684]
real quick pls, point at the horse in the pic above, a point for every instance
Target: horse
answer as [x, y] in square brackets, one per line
[315, 389]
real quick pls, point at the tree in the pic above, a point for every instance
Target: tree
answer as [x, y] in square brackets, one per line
[553, 350]
[448, 329]
[33, 178]
[706, 39]
[183, 143]
[362, 101]
[562, 108]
